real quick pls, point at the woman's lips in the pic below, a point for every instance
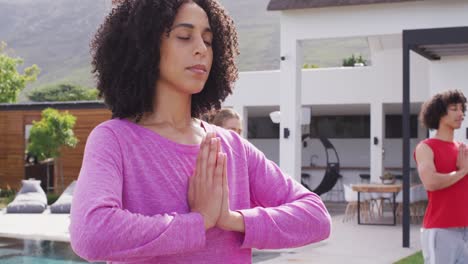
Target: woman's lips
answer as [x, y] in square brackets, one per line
[199, 69]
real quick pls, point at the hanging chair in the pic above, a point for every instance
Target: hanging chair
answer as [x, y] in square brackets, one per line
[332, 171]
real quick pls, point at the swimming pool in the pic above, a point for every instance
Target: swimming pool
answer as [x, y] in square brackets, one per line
[16, 251]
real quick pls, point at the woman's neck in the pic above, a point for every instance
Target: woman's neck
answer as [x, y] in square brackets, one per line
[170, 108]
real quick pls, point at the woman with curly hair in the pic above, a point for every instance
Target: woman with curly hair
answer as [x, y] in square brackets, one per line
[158, 185]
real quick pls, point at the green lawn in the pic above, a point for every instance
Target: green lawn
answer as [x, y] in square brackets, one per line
[416, 258]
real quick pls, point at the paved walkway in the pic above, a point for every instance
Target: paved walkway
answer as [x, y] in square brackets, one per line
[45, 226]
[349, 243]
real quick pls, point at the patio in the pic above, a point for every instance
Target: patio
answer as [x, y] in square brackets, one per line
[354, 244]
[348, 241]
[45, 226]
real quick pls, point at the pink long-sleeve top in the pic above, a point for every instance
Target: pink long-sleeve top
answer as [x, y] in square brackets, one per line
[130, 203]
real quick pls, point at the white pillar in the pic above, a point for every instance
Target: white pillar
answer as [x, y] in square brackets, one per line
[375, 47]
[377, 127]
[244, 114]
[290, 105]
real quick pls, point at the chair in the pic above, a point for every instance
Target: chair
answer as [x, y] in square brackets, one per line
[63, 203]
[418, 203]
[335, 180]
[351, 208]
[30, 199]
[378, 200]
[365, 178]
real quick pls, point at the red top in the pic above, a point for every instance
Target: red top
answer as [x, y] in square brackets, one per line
[447, 207]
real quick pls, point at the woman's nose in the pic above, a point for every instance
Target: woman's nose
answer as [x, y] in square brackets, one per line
[200, 46]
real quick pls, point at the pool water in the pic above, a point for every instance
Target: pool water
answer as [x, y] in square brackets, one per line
[16, 251]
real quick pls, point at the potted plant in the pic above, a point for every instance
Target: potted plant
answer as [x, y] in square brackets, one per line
[388, 178]
[353, 61]
[48, 135]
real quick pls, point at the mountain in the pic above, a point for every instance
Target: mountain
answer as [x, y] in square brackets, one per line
[55, 35]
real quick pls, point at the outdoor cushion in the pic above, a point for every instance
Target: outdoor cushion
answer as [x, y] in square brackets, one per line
[63, 203]
[30, 199]
[30, 186]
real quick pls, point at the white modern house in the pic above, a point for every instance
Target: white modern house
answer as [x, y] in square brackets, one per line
[358, 108]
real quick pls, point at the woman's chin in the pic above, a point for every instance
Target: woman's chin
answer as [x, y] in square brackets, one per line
[195, 89]
[192, 87]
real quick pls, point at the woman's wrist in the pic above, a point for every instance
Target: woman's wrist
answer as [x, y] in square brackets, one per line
[206, 221]
[235, 222]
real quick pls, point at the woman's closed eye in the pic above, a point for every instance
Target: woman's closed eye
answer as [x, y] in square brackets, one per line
[207, 42]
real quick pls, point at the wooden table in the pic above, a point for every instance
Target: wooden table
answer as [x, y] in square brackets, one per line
[377, 188]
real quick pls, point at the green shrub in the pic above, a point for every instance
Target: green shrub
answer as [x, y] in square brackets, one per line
[310, 66]
[52, 197]
[7, 193]
[7, 196]
[10, 198]
[62, 93]
[351, 61]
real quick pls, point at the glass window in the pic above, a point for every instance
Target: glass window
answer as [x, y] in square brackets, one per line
[342, 126]
[356, 126]
[393, 128]
[262, 127]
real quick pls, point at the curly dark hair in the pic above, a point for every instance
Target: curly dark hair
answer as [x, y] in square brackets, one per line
[126, 55]
[434, 109]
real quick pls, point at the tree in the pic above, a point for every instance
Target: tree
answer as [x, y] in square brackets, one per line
[11, 81]
[62, 92]
[47, 136]
[50, 133]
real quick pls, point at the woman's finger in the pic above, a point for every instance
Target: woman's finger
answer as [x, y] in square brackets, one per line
[199, 157]
[218, 177]
[204, 158]
[198, 167]
[218, 147]
[225, 178]
[191, 189]
[211, 162]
